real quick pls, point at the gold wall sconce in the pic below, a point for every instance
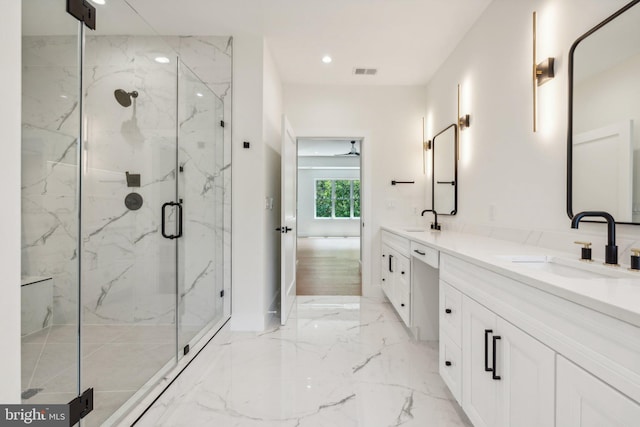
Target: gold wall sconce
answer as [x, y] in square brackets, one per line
[542, 73]
[426, 146]
[464, 121]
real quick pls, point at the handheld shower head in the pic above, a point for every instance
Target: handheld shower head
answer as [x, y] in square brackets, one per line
[124, 98]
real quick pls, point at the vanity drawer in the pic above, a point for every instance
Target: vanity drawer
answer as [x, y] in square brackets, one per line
[450, 312]
[450, 366]
[400, 244]
[425, 254]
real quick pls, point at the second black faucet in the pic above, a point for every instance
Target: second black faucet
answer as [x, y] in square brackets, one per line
[611, 250]
[434, 224]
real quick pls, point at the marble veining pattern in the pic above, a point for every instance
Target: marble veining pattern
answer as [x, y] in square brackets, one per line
[120, 246]
[557, 240]
[340, 361]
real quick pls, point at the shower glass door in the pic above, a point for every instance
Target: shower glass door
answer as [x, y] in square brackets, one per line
[50, 210]
[200, 191]
[128, 286]
[124, 250]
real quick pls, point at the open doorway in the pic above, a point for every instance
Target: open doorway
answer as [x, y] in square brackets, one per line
[329, 246]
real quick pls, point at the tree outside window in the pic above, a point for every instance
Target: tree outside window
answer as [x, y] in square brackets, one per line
[337, 198]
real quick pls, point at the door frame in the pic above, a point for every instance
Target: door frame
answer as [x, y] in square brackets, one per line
[366, 227]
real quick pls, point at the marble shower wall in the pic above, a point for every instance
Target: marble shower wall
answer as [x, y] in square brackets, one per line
[128, 268]
[50, 129]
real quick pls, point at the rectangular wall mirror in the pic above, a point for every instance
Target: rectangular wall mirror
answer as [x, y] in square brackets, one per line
[603, 157]
[444, 158]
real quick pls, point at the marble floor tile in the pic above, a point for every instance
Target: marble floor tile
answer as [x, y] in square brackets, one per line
[339, 362]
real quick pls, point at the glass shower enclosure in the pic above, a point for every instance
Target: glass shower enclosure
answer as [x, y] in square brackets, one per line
[123, 211]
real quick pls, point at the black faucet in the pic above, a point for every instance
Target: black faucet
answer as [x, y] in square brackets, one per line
[434, 224]
[611, 250]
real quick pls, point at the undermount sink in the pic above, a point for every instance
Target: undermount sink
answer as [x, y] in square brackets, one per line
[414, 230]
[574, 269]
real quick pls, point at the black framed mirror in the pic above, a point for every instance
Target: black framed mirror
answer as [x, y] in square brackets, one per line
[444, 166]
[603, 146]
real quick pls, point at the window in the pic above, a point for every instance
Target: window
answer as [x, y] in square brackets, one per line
[337, 198]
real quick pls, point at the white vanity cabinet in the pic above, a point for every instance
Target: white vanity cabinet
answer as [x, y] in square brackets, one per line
[585, 401]
[396, 274]
[530, 358]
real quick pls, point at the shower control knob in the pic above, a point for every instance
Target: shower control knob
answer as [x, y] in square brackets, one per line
[133, 201]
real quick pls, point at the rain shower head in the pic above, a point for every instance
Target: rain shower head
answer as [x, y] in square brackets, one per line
[124, 97]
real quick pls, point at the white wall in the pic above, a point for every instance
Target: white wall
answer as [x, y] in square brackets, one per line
[505, 167]
[248, 222]
[389, 120]
[308, 173]
[272, 134]
[257, 114]
[10, 86]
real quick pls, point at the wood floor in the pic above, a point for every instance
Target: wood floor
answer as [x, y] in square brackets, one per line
[329, 266]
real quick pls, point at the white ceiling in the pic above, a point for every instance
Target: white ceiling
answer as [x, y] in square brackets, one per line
[407, 40]
[325, 147]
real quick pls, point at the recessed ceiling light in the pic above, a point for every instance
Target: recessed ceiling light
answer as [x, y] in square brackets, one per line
[326, 59]
[162, 60]
[199, 95]
[100, 2]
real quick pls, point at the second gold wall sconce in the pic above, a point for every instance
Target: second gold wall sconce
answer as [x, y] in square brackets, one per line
[465, 120]
[542, 73]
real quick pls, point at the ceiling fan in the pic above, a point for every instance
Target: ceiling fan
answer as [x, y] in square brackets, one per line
[353, 151]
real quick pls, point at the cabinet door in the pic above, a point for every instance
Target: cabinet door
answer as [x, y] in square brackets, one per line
[479, 389]
[451, 366]
[526, 368]
[402, 288]
[451, 312]
[386, 276]
[585, 401]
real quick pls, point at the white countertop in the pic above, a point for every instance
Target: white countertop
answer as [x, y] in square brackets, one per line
[617, 297]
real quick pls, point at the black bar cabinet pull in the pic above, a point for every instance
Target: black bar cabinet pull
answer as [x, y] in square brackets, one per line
[419, 252]
[446, 182]
[394, 182]
[390, 257]
[486, 350]
[493, 374]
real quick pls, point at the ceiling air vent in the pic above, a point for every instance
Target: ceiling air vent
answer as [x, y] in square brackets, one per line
[365, 71]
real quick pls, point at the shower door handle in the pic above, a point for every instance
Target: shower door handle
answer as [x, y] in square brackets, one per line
[164, 222]
[179, 205]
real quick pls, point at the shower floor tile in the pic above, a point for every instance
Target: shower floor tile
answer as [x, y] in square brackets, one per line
[117, 360]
